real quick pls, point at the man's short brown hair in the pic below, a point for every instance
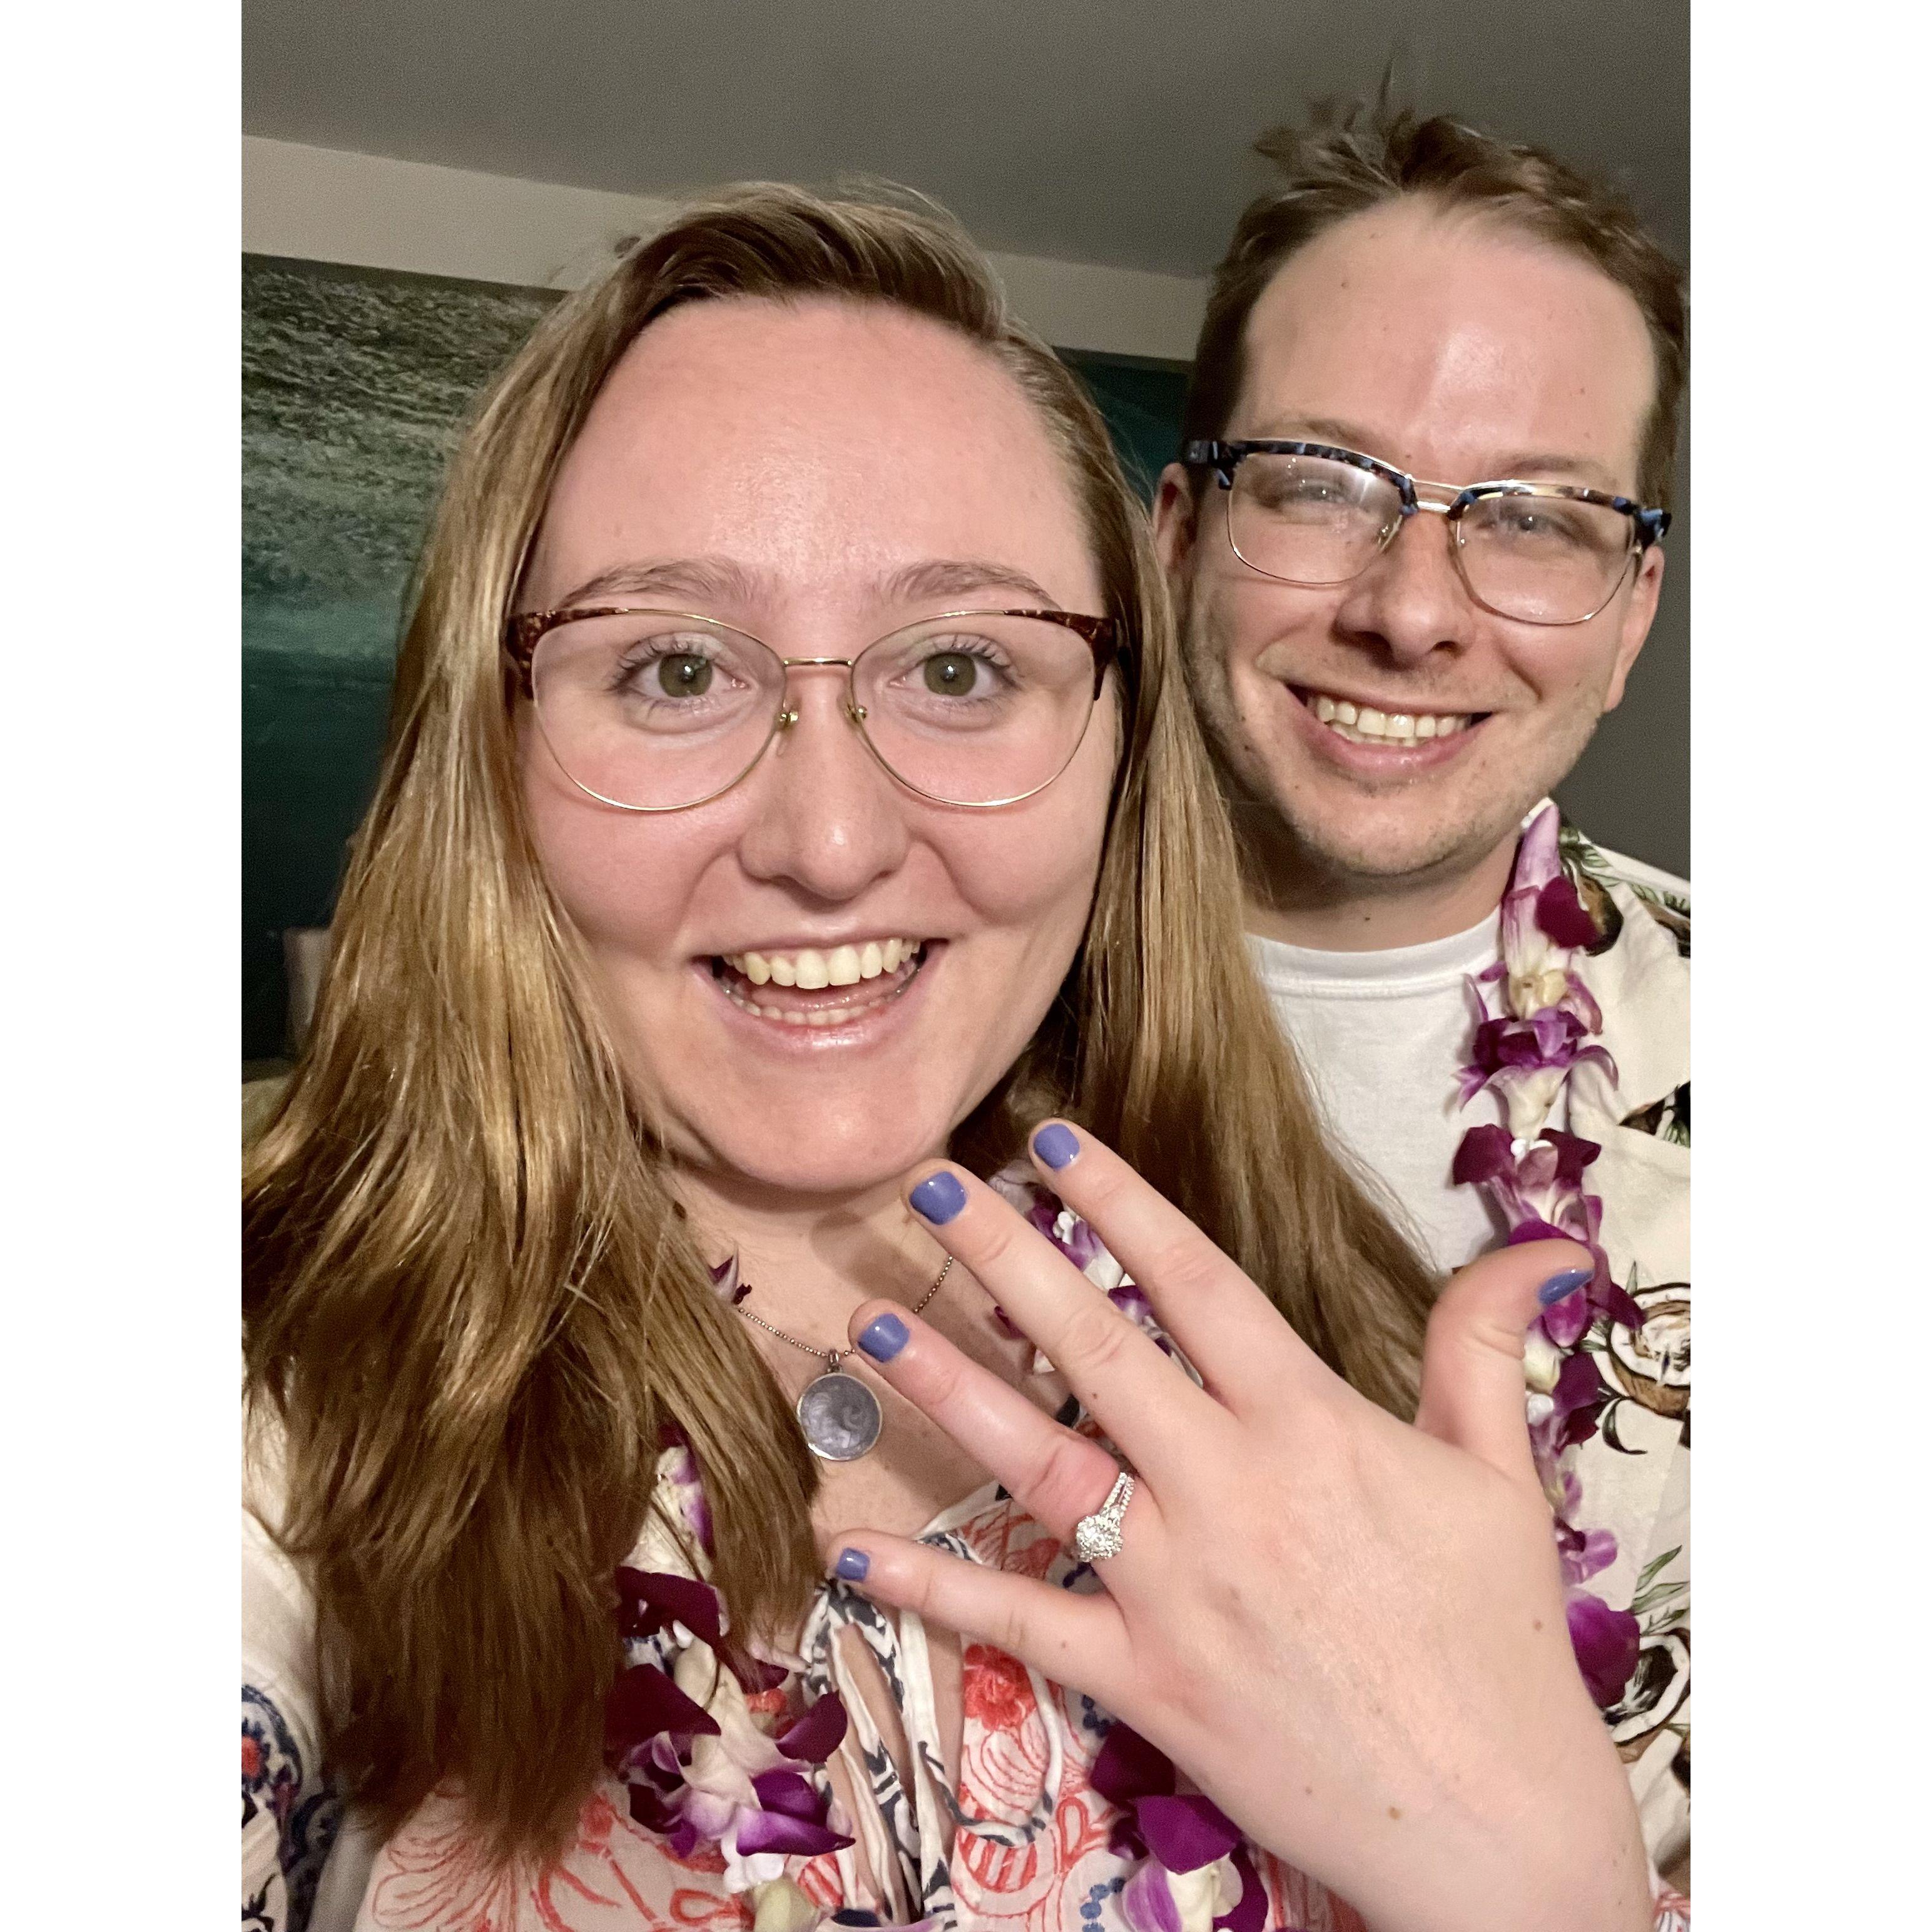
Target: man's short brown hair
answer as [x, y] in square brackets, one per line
[1348, 160]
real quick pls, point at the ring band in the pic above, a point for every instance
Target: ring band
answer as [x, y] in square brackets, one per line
[1098, 1536]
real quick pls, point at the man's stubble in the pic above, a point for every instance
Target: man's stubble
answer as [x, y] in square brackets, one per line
[1290, 857]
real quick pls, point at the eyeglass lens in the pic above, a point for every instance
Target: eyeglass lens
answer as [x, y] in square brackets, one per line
[1311, 520]
[655, 711]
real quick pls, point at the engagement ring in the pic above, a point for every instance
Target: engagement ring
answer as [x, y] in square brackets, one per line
[1098, 1535]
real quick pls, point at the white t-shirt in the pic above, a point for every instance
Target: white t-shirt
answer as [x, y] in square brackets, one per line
[1383, 1037]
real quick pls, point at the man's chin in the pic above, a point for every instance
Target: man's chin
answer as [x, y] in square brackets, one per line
[1392, 864]
[1385, 845]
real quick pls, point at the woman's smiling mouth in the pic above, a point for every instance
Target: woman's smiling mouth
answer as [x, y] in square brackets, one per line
[808, 986]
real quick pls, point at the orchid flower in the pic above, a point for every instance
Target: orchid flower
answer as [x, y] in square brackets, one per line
[1543, 921]
[678, 1506]
[701, 1768]
[1527, 1061]
[1544, 1014]
[1539, 1185]
[1193, 1874]
[1606, 1641]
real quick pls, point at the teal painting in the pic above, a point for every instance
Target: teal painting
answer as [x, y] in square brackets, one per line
[355, 385]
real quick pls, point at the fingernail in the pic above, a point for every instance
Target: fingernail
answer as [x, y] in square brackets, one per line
[938, 1197]
[853, 1565]
[1056, 1145]
[1553, 1290]
[883, 1337]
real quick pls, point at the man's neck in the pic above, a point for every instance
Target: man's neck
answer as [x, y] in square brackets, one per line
[1331, 913]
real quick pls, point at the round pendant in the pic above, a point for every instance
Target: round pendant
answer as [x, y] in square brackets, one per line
[840, 1416]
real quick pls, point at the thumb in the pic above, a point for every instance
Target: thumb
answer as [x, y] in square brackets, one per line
[1472, 1386]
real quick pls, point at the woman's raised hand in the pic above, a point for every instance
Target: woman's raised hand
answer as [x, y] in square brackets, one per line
[1348, 1630]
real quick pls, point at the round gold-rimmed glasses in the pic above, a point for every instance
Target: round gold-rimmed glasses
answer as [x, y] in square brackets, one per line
[1316, 515]
[652, 710]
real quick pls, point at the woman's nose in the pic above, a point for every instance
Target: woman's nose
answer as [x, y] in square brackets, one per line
[828, 818]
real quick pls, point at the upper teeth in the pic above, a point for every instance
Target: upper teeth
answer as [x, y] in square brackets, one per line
[1403, 727]
[809, 967]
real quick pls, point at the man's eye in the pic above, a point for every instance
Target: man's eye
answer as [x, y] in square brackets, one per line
[1551, 524]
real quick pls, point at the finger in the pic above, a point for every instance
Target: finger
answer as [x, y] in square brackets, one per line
[1069, 1638]
[1472, 1386]
[1244, 1349]
[1143, 1399]
[1058, 1476]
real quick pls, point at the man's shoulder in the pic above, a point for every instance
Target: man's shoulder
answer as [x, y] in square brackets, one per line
[1639, 970]
[1601, 875]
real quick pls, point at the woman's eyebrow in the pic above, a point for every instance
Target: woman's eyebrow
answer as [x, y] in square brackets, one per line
[695, 579]
[709, 580]
[952, 578]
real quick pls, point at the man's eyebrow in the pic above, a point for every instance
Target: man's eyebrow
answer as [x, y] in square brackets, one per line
[1528, 466]
[699, 579]
[1319, 429]
[1542, 466]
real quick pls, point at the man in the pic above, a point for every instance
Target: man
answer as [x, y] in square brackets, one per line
[1394, 672]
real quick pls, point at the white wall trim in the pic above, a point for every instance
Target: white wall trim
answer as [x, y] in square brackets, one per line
[325, 205]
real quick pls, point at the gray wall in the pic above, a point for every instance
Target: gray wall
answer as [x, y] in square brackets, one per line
[1632, 790]
[1059, 129]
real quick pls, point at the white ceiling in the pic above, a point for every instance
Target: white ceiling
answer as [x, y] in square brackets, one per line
[1112, 131]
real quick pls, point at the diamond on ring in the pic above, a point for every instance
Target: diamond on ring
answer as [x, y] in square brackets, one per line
[1098, 1536]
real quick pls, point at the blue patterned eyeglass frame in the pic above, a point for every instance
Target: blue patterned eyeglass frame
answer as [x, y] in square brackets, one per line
[1648, 525]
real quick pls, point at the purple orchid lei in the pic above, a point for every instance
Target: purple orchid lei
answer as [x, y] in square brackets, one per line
[710, 1754]
[1534, 1018]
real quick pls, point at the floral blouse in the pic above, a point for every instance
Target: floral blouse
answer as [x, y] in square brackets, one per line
[785, 1793]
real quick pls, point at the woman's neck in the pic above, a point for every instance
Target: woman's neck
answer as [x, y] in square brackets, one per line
[814, 1257]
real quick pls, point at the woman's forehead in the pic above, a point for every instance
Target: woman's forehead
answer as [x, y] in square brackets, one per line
[816, 443]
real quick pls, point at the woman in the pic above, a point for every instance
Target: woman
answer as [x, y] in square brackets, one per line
[780, 793]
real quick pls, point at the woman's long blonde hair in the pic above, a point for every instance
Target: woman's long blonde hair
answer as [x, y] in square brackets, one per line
[473, 1309]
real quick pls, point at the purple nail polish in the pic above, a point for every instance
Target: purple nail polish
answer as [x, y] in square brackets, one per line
[938, 1197]
[883, 1337]
[853, 1565]
[1566, 1283]
[1056, 1145]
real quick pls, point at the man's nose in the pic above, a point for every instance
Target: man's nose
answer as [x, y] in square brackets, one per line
[828, 818]
[1412, 600]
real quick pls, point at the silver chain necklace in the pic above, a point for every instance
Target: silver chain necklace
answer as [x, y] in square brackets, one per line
[840, 1415]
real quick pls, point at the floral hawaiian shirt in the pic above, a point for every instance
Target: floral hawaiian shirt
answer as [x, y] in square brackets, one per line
[1635, 1469]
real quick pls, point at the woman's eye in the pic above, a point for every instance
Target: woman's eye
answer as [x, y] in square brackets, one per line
[684, 674]
[951, 674]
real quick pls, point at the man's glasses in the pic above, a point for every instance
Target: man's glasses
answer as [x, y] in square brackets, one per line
[1310, 514]
[658, 710]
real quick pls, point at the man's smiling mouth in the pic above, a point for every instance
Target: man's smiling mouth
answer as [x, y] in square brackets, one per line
[809, 986]
[1368, 724]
